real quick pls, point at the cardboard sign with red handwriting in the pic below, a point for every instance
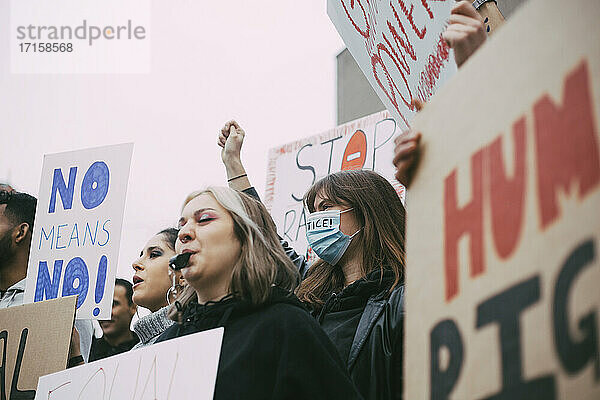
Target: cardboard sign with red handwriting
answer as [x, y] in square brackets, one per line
[503, 239]
[398, 46]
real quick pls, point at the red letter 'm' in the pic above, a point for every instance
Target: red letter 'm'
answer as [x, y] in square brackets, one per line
[566, 143]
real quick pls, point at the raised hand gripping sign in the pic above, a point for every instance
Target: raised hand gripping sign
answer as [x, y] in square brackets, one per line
[398, 46]
[77, 229]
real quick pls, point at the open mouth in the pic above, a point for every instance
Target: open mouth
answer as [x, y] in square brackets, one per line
[136, 280]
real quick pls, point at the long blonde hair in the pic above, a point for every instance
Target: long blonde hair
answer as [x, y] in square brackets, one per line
[262, 262]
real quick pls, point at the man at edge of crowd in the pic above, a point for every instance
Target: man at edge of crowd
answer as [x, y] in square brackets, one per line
[117, 337]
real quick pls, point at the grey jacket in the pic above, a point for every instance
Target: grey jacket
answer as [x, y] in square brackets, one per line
[149, 327]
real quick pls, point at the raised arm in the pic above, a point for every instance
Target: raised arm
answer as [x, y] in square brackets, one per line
[231, 140]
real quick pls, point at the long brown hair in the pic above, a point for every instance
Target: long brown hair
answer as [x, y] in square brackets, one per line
[262, 261]
[379, 210]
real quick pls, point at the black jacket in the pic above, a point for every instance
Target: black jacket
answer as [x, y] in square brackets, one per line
[101, 348]
[374, 356]
[272, 351]
[375, 353]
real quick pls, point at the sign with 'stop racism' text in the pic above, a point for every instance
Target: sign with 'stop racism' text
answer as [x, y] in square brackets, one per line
[366, 143]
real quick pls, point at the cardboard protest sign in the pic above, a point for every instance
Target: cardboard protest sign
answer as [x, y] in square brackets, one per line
[182, 368]
[366, 143]
[34, 341]
[503, 238]
[398, 46]
[77, 230]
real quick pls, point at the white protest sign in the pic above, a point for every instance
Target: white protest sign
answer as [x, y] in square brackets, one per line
[77, 230]
[366, 143]
[182, 368]
[398, 46]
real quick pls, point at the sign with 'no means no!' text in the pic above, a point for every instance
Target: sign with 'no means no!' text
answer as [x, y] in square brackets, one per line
[77, 228]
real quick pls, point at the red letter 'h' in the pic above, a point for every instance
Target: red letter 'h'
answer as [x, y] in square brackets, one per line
[468, 220]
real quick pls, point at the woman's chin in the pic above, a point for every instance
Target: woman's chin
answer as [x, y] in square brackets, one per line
[138, 298]
[191, 275]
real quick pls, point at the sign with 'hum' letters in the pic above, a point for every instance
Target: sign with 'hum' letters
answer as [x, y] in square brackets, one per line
[503, 240]
[77, 229]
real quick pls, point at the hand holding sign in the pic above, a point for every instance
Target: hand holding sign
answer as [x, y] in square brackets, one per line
[406, 156]
[406, 152]
[466, 32]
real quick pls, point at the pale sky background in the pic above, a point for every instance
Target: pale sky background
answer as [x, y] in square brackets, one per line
[270, 65]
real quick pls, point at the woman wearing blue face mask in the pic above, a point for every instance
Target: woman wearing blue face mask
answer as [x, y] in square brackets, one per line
[355, 290]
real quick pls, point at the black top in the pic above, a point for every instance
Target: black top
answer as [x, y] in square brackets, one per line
[342, 312]
[102, 349]
[272, 351]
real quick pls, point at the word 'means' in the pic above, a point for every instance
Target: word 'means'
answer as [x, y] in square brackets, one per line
[75, 274]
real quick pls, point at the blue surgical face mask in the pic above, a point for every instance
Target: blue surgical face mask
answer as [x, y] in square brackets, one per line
[324, 235]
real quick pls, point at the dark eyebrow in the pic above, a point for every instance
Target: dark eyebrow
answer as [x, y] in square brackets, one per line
[151, 248]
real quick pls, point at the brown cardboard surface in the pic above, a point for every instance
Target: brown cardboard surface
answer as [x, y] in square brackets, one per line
[43, 331]
[517, 128]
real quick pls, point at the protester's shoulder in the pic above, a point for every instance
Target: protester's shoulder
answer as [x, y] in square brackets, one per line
[169, 333]
[396, 299]
[394, 312]
[281, 316]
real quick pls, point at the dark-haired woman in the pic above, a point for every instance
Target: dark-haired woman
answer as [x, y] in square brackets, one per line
[238, 277]
[356, 289]
[152, 283]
